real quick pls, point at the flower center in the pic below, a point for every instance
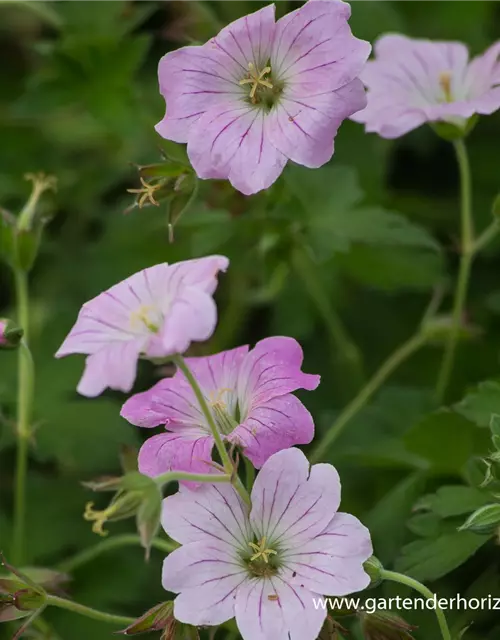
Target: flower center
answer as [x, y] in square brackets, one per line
[445, 84]
[225, 421]
[145, 316]
[257, 79]
[264, 561]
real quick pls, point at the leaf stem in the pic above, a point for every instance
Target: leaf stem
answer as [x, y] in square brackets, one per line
[95, 614]
[177, 476]
[24, 406]
[224, 456]
[467, 253]
[116, 542]
[427, 593]
[399, 356]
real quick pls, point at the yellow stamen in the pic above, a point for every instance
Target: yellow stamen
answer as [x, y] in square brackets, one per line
[147, 193]
[256, 78]
[141, 316]
[97, 517]
[215, 399]
[261, 551]
[445, 84]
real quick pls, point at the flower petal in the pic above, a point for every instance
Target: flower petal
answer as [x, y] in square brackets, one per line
[314, 47]
[290, 504]
[212, 513]
[332, 562]
[271, 608]
[176, 452]
[232, 144]
[200, 273]
[208, 576]
[248, 39]
[272, 369]
[278, 424]
[114, 366]
[303, 126]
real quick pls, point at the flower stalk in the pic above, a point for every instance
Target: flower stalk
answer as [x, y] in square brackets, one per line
[393, 576]
[88, 612]
[224, 455]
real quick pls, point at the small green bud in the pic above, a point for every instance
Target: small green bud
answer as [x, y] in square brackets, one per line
[156, 619]
[29, 600]
[10, 334]
[485, 520]
[374, 569]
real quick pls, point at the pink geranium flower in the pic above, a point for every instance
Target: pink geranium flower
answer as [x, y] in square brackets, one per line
[265, 567]
[250, 394]
[155, 313]
[264, 92]
[415, 81]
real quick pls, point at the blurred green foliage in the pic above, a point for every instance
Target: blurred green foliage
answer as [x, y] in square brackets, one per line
[79, 99]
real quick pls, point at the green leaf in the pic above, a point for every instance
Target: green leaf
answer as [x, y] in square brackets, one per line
[428, 560]
[453, 500]
[479, 405]
[445, 440]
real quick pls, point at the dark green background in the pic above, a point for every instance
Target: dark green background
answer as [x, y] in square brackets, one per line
[79, 99]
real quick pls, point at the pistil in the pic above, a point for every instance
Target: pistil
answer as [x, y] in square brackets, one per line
[257, 79]
[445, 84]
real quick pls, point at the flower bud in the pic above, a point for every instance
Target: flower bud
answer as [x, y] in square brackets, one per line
[383, 625]
[485, 521]
[374, 569]
[10, 334]
[161, 618]
[20, 596]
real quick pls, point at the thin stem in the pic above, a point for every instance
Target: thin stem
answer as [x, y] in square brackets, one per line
[224, 456]
[176, 476]
[24, 406]
[486, 237]
[467, 254]
[343, 346]
[95, 614]
[427, 593]
[401, 354]
[125, 540]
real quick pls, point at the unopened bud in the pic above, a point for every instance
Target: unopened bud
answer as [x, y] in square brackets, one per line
[10, 334]
[374, 569]
[485, 520]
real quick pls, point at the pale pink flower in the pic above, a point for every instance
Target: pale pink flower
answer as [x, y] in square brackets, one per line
[250, 396]
[264, 92]
[265, 567]
[155, 313]
[411, 82]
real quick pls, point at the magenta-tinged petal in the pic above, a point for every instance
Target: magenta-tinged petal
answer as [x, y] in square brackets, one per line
[114, 366]
[232, 144]
[332, 562]
[271, 369]
[273, 609]
[212, 513]
[314, 48]
[176, 452]
[248, 39]
[304, 125]
[277, 424]
[208, 576]
[290, 503]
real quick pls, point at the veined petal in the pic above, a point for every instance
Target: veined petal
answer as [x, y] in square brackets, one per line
[277, 424]
[290, 503]
[212, 513]
[272, 368]
[314, 47]
[332, 562]
[177, 452]
[199, 272]
[113, 366]
[208, 576]
[303, 126]
[271, 608]
[232, 144]
[248, 39]
[483, 72]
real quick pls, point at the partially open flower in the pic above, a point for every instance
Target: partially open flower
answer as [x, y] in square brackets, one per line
[155, 313]
[411, 82]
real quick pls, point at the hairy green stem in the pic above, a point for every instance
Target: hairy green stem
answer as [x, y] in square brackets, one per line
[401, 354]
[177, 476]
[224, 456]
[343, 347]
[95, 614]
[116, 542]
[24, 406]
[467, 253]
[427, 593]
